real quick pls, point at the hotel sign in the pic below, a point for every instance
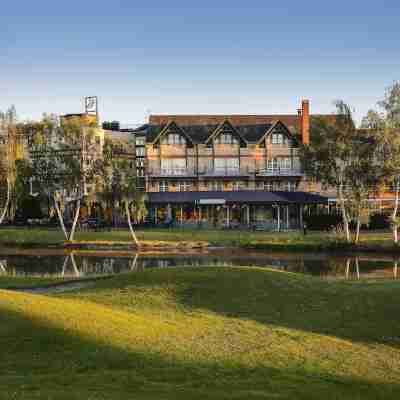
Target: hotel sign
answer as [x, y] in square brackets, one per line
[211, 201]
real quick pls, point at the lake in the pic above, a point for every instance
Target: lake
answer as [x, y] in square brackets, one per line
[78, 264]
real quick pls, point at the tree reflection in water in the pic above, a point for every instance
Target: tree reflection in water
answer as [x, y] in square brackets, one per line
[78, 264]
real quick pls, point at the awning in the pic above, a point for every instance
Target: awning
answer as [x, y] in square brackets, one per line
[242, 196]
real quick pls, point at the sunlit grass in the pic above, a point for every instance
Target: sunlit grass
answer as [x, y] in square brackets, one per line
[204, 333]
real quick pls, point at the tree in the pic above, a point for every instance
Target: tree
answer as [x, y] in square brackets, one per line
[391, 105]
[64, 163]
[338, 157]
[385, 127]
[8, 155]
[119, 187]
[362, 179]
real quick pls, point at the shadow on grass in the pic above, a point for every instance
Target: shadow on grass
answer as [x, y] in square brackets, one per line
[40, 360]
[364, 312]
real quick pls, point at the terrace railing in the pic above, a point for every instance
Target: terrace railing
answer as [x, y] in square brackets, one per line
[280, 172]
[226, 172]
[171, 172]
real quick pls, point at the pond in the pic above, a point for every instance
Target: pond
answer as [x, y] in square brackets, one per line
[78, 264]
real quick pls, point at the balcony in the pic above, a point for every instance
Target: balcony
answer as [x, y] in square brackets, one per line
[171, 173]
[222, 172]
[280, 172]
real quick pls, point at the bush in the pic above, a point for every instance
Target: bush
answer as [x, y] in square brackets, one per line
[323, 222]
[379, 221]
[29, 208]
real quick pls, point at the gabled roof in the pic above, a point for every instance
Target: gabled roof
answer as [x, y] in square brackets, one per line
[221, 127]
[173, 125]
[272, 128]
[292, 121]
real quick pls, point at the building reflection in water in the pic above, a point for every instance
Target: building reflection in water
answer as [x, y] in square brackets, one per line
[76, 264]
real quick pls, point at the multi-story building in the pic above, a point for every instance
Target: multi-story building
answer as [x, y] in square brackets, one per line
[228, 169]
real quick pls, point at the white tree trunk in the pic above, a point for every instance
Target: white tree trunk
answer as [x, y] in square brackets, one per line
[344, 213]
[4, 213]
[357, 237]
[78, 208]
[128, 215]
[60, 218]
[394, 214]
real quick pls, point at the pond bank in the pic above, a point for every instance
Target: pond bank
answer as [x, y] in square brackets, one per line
[182, 240]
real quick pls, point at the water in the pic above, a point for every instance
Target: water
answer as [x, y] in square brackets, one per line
[60, 263]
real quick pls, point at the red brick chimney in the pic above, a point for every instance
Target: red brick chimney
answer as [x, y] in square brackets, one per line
[305, 121]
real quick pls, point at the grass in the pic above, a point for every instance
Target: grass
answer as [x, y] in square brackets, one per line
[203, 333]
[25, 282]
[288, 241]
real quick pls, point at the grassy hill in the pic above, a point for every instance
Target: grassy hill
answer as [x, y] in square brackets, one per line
[203, 333]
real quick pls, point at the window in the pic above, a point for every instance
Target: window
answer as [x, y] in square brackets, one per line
[280, 138]
[173, 138]
[140, 163]
[268, 186]
[140, 151]
[140, 141]
[238, 186]
[184, 186]
[226, 138]
[177, 165]
[284, 163]
[226, 164]
[279, 163]
[291, 186]
[163, 186]
[216, 186]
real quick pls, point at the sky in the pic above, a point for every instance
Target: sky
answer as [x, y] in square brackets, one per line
[214, 57]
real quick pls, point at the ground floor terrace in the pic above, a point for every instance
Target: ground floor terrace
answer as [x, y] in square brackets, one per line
[277, 211]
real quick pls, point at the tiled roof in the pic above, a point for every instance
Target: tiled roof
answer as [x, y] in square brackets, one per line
[200, 133]
[292, 121]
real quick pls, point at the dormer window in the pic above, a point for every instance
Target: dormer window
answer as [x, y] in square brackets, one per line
[226, 138]
[173, 138]
[280, 138]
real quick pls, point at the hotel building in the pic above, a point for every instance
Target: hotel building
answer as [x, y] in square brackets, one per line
[228, 170]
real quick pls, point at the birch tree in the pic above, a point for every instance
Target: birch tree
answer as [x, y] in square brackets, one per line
[385, 127]
[120, 189]
[329, 156]
[64, 163]
[8, 141]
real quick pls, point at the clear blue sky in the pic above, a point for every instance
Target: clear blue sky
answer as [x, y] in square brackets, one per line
[196, 56]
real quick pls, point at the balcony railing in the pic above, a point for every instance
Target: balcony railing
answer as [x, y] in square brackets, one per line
[222, 172]
[280, 172]
[171, 172]
[226, 172]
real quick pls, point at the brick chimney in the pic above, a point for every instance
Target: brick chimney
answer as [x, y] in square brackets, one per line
[305, 121]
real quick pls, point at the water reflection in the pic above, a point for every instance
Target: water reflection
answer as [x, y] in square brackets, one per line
[78, 264]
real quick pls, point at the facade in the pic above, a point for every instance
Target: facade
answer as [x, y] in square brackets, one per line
[238, 169]
[139, 137]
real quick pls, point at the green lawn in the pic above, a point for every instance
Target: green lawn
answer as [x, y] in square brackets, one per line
[313, 241]
[203, 333]
[25, 282]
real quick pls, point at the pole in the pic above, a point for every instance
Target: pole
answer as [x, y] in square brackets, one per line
[301, 215]
[287, 218]
[181, 215]
[279, 218]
